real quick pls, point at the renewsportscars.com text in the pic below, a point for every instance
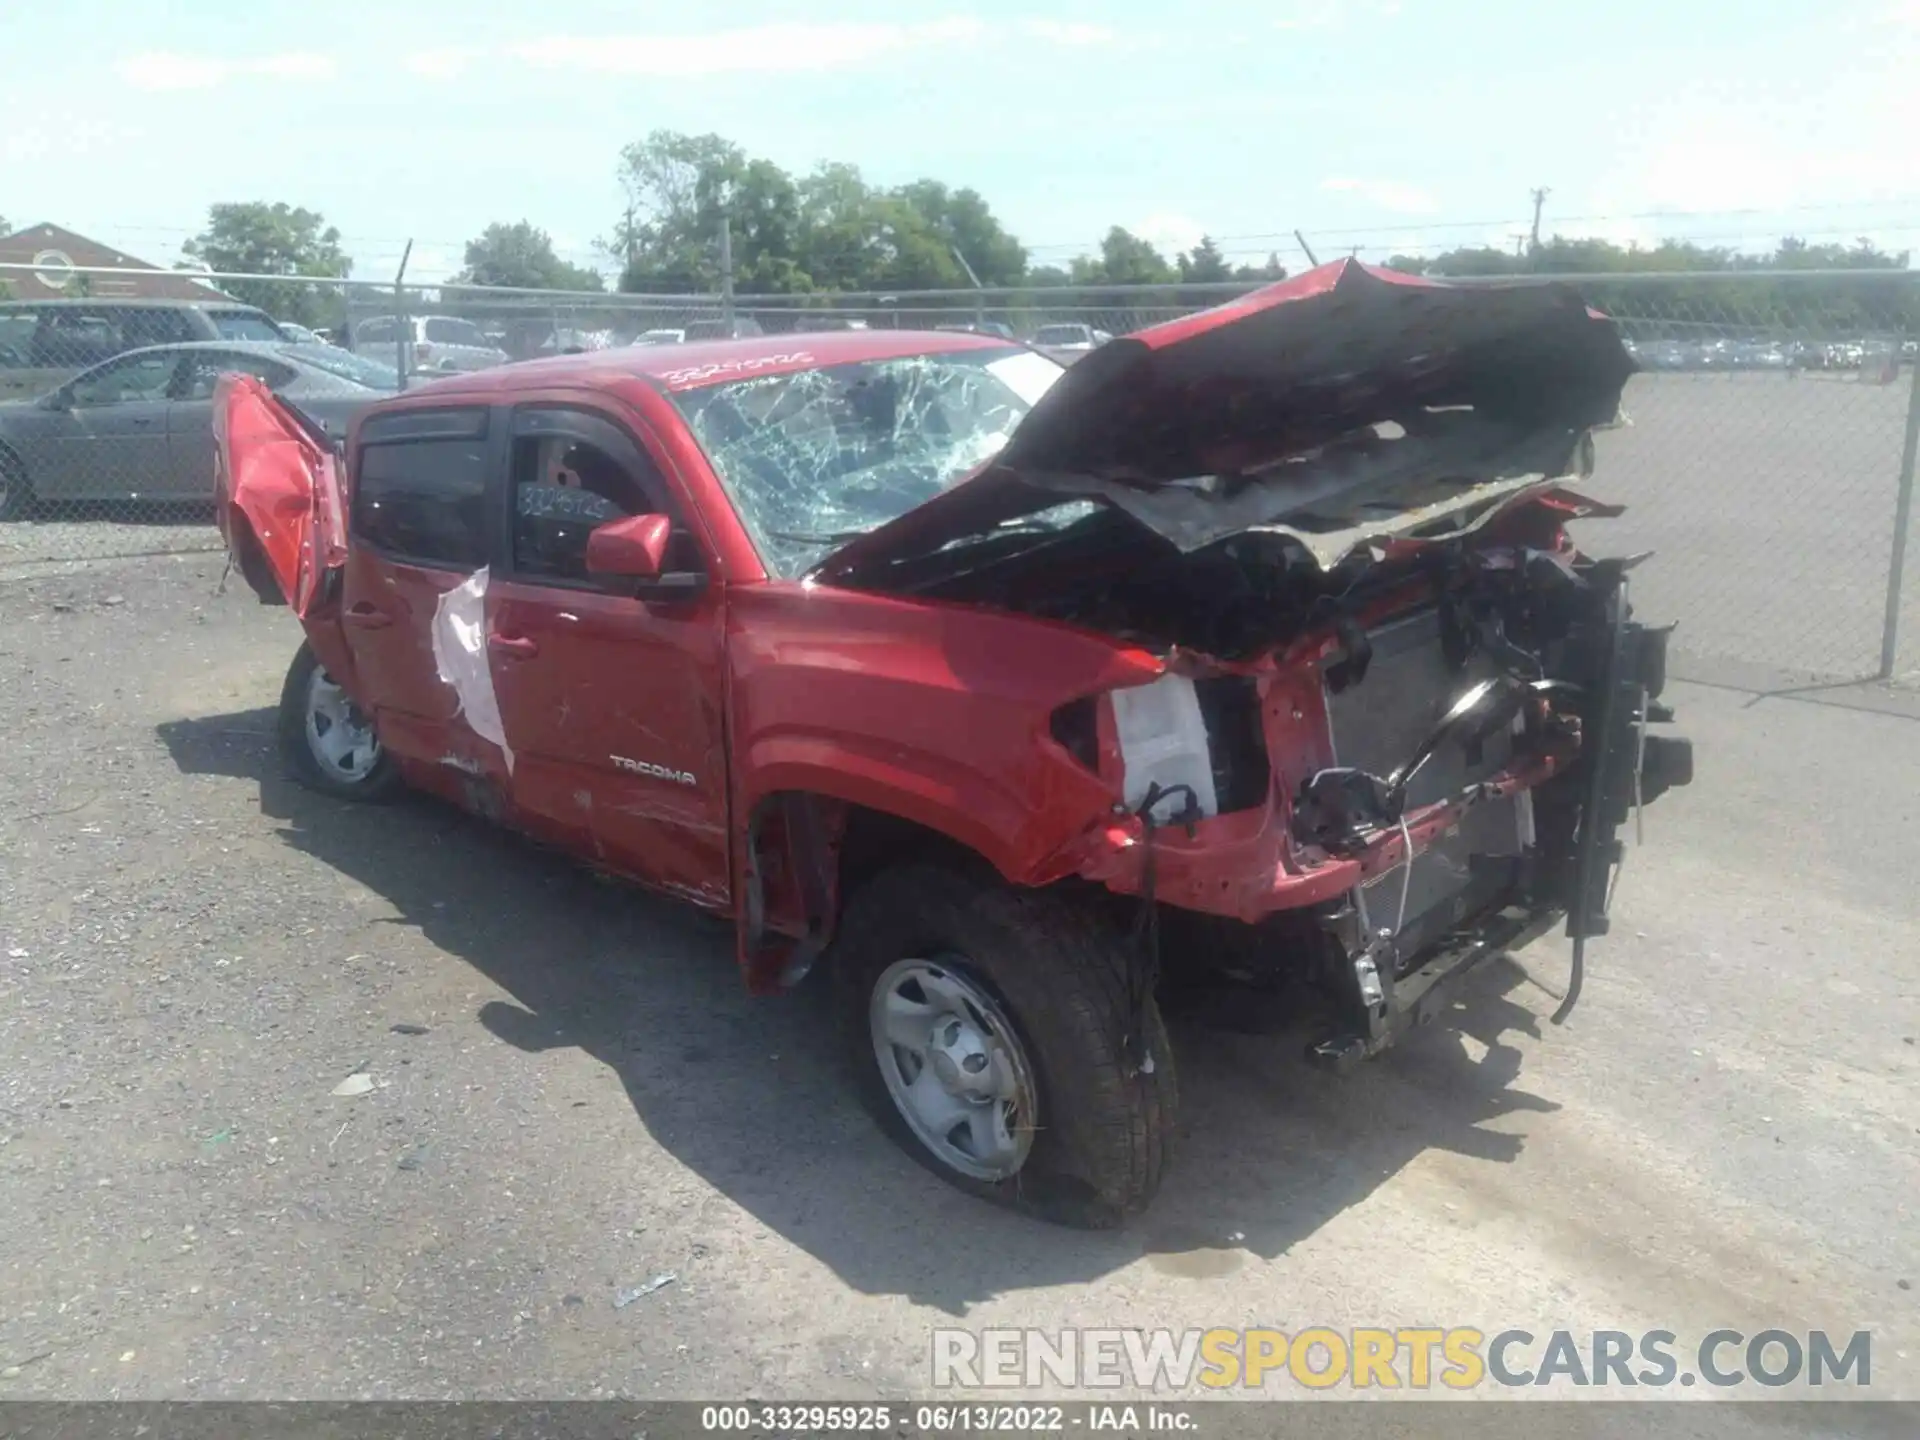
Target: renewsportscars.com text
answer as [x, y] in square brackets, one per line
[1407, 1357]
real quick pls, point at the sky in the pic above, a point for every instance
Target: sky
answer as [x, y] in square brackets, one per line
[1376, 125]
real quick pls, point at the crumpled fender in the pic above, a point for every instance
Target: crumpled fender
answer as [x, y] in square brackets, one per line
[277, 495]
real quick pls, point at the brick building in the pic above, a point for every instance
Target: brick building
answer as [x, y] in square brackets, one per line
[54, 253]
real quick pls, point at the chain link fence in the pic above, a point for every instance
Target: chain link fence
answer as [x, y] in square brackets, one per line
[1767, 440]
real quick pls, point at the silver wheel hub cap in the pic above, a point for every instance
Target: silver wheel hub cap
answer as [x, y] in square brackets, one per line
[340, 738]
[954, 1067]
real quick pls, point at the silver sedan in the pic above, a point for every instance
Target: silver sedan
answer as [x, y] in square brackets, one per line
[140, 426]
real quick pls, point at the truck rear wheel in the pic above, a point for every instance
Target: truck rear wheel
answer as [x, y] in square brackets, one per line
[987, 1029]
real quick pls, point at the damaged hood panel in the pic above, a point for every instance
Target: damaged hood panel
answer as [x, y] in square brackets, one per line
[1346, 405]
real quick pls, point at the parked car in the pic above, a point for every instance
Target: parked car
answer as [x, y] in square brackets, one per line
[140, 426]
[971, 700]
[1070, 337]
[982, 327]
[437, 344]
[722, 329]
[536, 339]
[660, 337]
[45, 342]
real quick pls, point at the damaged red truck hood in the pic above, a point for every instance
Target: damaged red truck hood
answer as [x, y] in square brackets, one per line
[1349, 403]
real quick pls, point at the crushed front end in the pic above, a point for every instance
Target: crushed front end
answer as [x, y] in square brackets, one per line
[1401, 718]
[1382, 805]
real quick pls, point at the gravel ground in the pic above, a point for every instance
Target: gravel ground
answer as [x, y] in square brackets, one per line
[194, 955]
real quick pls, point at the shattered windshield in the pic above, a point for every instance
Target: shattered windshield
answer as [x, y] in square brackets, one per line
[813, 458]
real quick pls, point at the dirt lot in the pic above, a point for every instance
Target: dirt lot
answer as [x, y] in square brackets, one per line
[193, 955]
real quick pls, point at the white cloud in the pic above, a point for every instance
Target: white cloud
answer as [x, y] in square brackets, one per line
[785, 46]
[440, 64]
[1843, 138]
[171, 70]
[1394, 195]
[1068, 32]
[1170, 234]
[1331, 14]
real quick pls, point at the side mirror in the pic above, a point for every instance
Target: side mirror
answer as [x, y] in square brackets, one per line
[61, 399]
[635, 547]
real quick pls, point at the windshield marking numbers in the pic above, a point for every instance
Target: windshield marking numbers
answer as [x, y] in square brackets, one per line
[694, 374]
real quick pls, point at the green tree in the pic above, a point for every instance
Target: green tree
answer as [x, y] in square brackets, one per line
[840, 242]
[256, 238]
[1265, 273]
[830, 230]
[680, 190]
[1204, 264]
[1126, 259]
[666, 178]
[963, 220]
[521, 255]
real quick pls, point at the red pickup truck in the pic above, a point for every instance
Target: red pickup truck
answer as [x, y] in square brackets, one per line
[1252, 647]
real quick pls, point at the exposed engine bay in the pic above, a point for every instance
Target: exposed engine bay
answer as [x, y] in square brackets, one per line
[1488, 730]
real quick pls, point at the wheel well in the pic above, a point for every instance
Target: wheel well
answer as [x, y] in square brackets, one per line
[871, 840]
[809, 852]
[10, 460]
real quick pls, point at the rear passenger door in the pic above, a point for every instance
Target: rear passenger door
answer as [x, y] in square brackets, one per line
[418, 520]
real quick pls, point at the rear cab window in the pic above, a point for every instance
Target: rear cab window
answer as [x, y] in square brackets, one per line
[419, 491]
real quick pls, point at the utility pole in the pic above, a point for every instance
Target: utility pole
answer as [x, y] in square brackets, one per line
[629, 237]
[979, 295]
[1539, 200]
[726, 271]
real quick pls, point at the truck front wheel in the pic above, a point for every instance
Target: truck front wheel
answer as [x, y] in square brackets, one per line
[987, 1028]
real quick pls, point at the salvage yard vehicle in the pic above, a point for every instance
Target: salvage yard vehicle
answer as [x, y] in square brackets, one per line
[434, 344]
[1253, 647]
[44, 342]
[140, 426]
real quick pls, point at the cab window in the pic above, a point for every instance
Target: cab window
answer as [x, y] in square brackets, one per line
[572, 472]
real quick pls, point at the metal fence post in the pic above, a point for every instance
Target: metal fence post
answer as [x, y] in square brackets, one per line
[402, 327]
[1902, 516]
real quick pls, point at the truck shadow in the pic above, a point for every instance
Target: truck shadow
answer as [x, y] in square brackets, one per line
[750, 1094]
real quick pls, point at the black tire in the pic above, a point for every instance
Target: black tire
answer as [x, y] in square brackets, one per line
[16, 490]
[380, 781]
[1060, 975]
